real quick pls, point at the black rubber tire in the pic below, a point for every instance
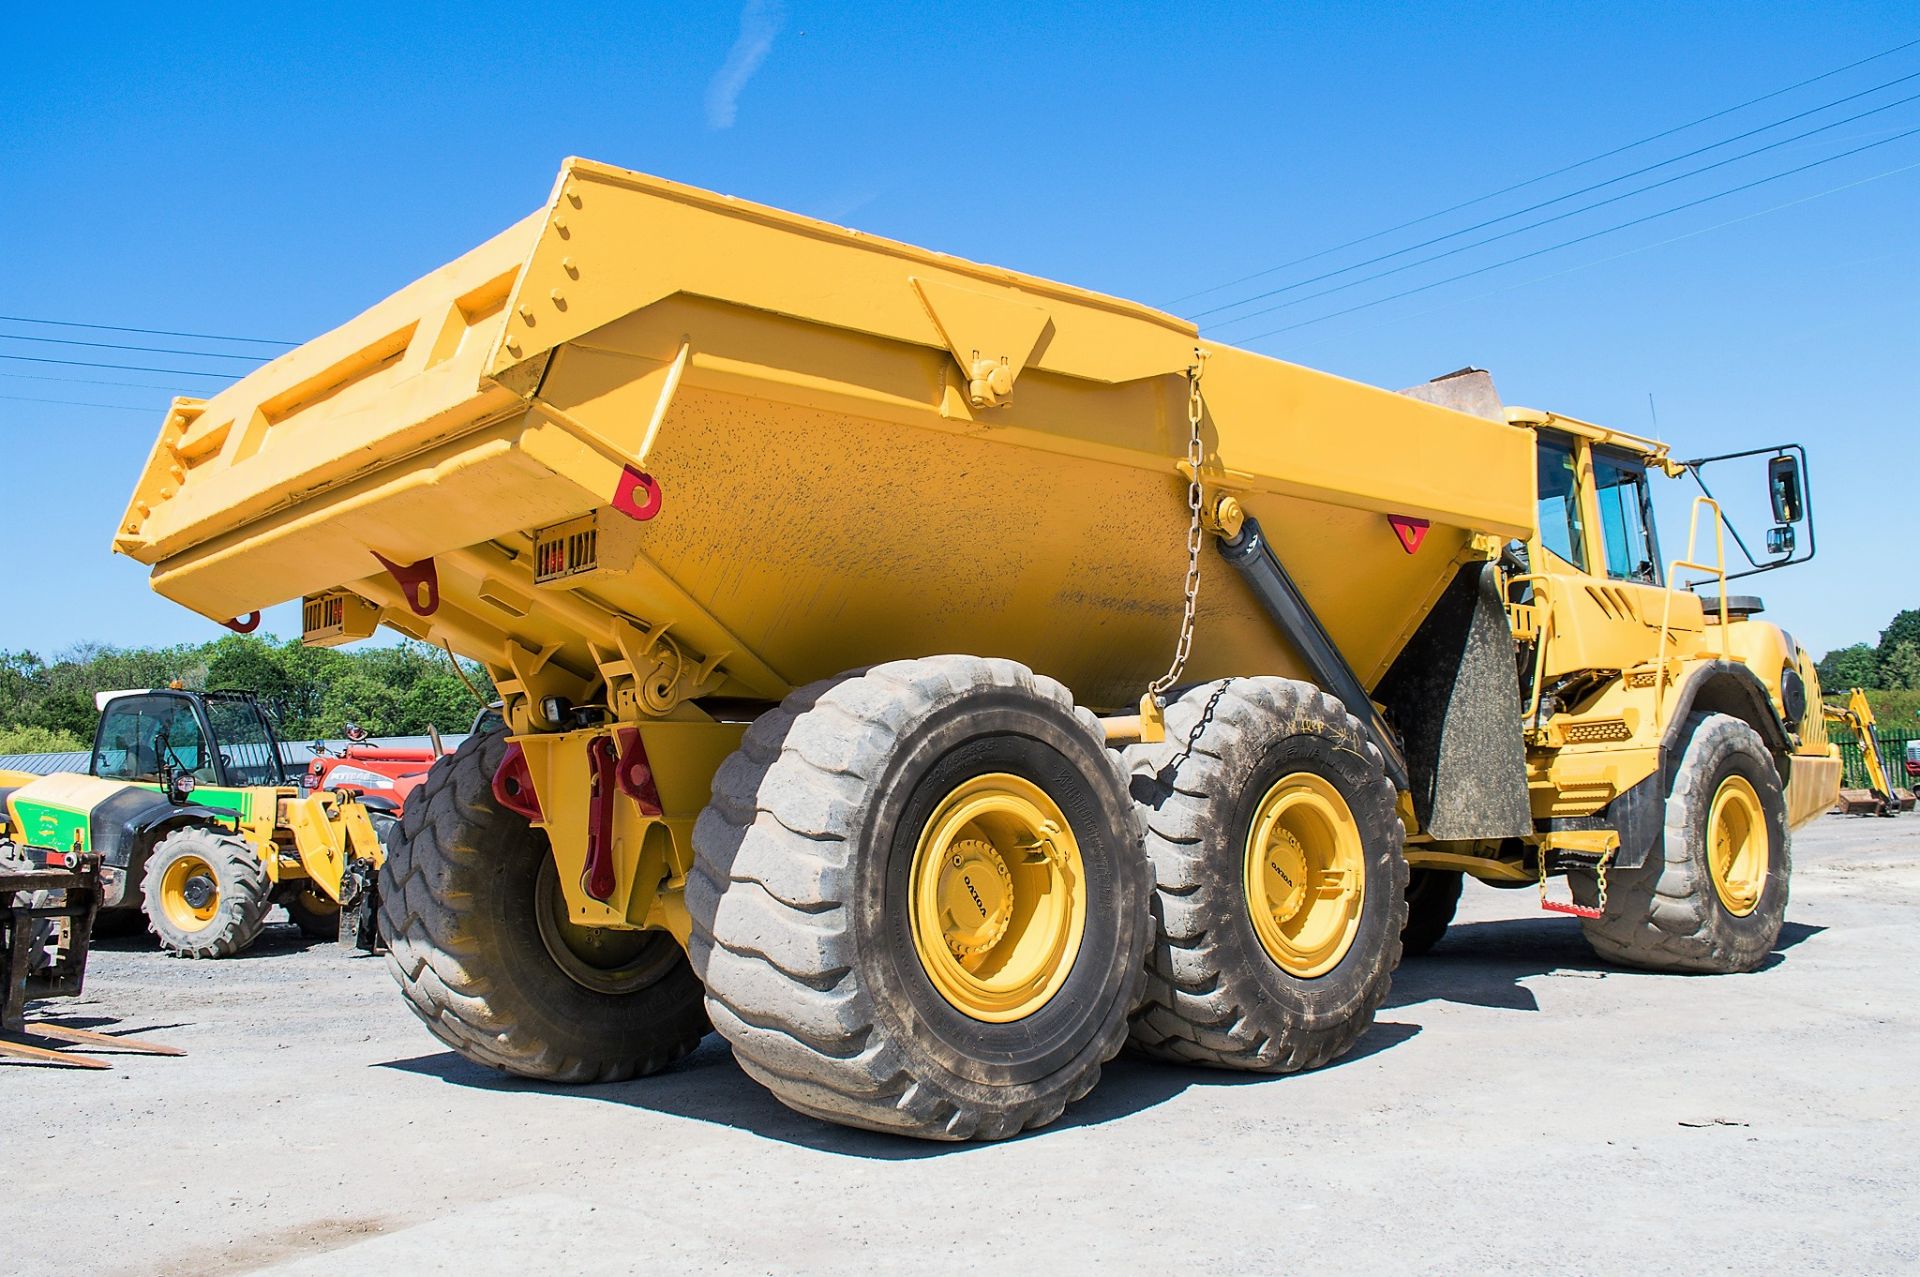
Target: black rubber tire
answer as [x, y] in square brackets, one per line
[457, 901]
[240, 879]
[1666, 915]
[1214, 995]
[317, 917]
[801, 927]
[1432, 897]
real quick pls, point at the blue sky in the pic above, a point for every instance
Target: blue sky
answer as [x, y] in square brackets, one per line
[269, 172]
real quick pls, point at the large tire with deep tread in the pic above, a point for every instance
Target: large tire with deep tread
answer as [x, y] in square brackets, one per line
[1215, 996]
[241, 886]
[457, 909]
[1432, 897]
[801, 926]
[1666, 914]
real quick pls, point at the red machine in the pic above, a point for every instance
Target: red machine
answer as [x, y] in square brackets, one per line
[379, 776]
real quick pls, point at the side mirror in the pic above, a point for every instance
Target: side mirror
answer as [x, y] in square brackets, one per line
[1780, 541]
[1783, 485]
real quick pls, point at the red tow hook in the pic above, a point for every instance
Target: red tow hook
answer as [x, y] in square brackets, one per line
[598, 879]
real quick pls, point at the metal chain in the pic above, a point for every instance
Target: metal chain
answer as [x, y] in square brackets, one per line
[1191, 590]
[1193, 737]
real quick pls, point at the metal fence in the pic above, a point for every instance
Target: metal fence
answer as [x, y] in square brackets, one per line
[1893, 753]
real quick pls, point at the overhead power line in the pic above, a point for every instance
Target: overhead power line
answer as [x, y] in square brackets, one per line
[1561, 199]
[80, 403]
[1578, 164]
[114, 345]
[1636, 249]
[82, 363]
[151, 332]
[1553, 248]
[1575, 212]
[89, 381]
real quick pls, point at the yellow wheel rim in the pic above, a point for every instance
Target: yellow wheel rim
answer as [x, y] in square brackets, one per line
[1737, 846]
[1305, 875]
[186, 881]
[998, 898]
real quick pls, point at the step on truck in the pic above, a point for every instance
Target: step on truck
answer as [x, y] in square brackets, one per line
[933, 677]
[198, 826]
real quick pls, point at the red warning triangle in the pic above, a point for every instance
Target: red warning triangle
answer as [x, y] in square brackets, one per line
[1410, 530]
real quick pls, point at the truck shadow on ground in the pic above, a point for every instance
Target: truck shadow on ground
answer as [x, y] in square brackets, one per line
[709, 1087]
[1484, 963]
[1479, 963]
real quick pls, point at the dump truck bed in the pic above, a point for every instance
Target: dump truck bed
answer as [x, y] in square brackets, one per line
[799, 449]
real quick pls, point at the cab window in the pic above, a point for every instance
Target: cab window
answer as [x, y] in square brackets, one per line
[138, 732]
[246, 746]
[1626, 519]
[1560, 529]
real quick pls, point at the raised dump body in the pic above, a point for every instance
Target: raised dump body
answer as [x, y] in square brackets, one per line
[828, 494]
[795, 554]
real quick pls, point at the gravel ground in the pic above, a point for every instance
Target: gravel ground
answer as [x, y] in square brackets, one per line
[1519, 1107]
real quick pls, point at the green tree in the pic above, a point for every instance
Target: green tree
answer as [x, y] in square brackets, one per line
[37, 740]
[1904, 628]
[1900, 667]
[1844, 667]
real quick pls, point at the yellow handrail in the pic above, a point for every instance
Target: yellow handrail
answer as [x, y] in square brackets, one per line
[1718, 568]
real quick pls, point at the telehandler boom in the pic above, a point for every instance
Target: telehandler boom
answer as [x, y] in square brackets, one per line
[830, 586]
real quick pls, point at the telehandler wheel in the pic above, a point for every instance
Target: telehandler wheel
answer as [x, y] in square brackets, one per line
[205, 893]
[1712, 896]
[480, 943]
[918, 900]
[1432, 896]
[317, 917]
[1281, 884]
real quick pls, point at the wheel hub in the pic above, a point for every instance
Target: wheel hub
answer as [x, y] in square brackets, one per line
[1305, 875]
[975, 892]
[199, 891]
[1737, 851]
[997, 898]
[190, 893]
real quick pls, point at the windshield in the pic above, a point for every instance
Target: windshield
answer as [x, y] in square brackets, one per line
[138, 733]
[1626, 519]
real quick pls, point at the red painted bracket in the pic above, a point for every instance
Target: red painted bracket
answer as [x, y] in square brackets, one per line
[635, 774]
[1410, 530]
[638, 494]
[598, 879]
[513, 785]
[419, 582]
[244, 624]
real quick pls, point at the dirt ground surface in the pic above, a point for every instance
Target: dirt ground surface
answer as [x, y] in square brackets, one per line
[1518, 1107]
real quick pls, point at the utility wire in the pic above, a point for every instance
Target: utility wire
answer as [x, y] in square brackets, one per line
[1559, 199]
[79, 403]
[1614, 257]
[151, 350]
[1575, 212]
[81, 363]
[1551, 248]
[89, 381]
[151, 332]
[1579, 164]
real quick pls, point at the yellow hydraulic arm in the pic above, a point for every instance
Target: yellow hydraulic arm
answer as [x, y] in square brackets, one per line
[1857, 716]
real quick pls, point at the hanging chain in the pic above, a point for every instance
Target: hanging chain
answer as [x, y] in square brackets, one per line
[1191, 590]
[1199, 728]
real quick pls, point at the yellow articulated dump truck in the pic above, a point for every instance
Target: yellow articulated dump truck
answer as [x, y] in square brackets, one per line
[933, 677]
